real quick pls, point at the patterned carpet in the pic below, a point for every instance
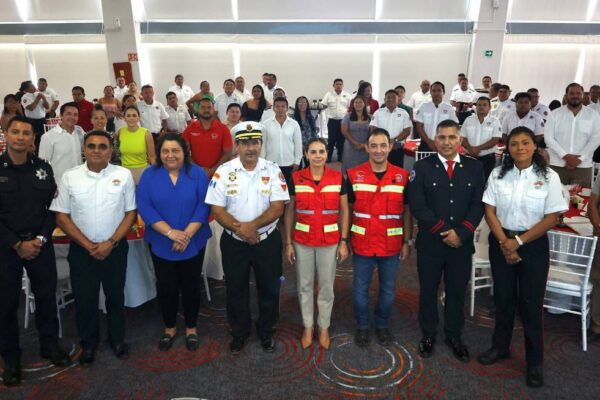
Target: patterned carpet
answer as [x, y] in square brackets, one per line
[343, 372]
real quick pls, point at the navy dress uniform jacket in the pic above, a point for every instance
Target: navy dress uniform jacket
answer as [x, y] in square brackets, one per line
[440, 203]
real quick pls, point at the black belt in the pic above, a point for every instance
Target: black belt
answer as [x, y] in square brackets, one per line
[512, 234]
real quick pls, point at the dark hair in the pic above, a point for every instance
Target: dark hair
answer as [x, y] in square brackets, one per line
[146, 87]
[97, 107]
[487, 76]
[279, 90]
[18, 118]
[484, 98]
[24, 85]
[178, 76]
[462, 75]
[228, 80]
[78, 88]
[170, 94]
[336, 80]
[464, 78]
[539, 163]
[131, 107]
[532, 90]
[309, 117]
[206, 98]
[390, 91]
[98, 133]
[262, 102]
[554, 104]
[439, 84]
[315, 140]
[496, 86]
[281, 99]
[522, 95]
[447, 123]
[174, 137]
[379, 131]
[361, 89]
[365, 113]
[233, 105]
[10, 97]
[273, 76]
[400, 87]
[71, 104]
[574, 84]
[266, 74]
[127, 96]
[504, 87]
[204, 82]
[594, 87]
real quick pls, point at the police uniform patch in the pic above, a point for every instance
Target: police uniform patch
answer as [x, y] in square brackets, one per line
[216, 176]
[412, 175]
[265, 180]
[41, 174]
[232, 176]
[281, 177]
[398, 178]
[232, 192]
[538, 185]
[284, 187]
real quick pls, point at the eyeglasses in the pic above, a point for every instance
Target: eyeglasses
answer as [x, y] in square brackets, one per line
[92, 146]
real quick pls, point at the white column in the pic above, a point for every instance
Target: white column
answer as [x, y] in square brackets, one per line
[488, 35]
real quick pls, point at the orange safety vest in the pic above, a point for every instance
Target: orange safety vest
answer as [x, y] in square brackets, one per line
[317, 208]
[377, 212]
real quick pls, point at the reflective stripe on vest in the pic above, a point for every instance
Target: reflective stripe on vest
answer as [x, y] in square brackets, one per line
[331, 189]
[363, 187]
[392, 189]
[309, 212]
[387, 216]
[304, 189]
[302, 227]
[326, 212]
[330, 228]
[394, 231]
[358, 229]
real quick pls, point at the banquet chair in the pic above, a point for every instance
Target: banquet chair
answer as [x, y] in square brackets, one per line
[481, 272]
[419, 155]
[571, 259]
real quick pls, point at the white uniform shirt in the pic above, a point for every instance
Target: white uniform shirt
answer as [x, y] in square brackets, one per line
[50, 96]
[595, 107]
[120, 92]
[392, 121]
[151, 115]
[62, 149]
[38, 112]
[183, 93]
[479, 133]
[531, 120]
[266, 115]
[178, 118]
[244, 97]
[282, 144]
[457, 87]
[522, 198]
[543, 110]
[337, 104]
[502, 108]
[269, 93]
[462, 96]
[430, 116]
[247, 194]
[97, 202]
[418, 98]
[222, 101]
[568, 134]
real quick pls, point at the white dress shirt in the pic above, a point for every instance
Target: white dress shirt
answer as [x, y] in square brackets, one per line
[542, 109]
[247, 194]
[97, 202]
[595, 107]
[462, 96]
[282, 144]
[531, 120]
[178, 118]
[50, 96]
[119, 93]
[183, 93]
[38, 112]
[222, 101]
[62, 149]
[430, 116]
[566, 133]
[269, 93]
[522, 198]
[337, 104]
[151, 115]
[502, 108]
[392, 121]
[479, 133]
[244, 97]
[418, 98]
[456, 160]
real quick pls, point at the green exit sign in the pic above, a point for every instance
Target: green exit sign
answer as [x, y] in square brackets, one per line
[489, 53]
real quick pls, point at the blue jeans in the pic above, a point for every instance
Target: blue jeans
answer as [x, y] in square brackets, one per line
[363, 271]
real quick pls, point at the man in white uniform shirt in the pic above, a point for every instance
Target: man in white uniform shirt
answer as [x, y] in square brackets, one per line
[481, 133]
[153, 115]
[248, 196]
[420, 97]
[460, 77]
[595, 98]
[462, 99]
[240, 90]
[523, 115]
[270, 89]
[270, 112]
[179, 116]
[121, 89]
[51, 97]
[536, 106]
[572, 133]
[337, 102]
[430, 114]
[396, 122]
[183, 92]
[505, 104]
[35, 107]
[61, 146]
[223, 100]
[95, 207]
[282, 139]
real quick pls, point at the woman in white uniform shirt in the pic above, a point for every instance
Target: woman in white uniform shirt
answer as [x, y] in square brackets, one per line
[522, 202]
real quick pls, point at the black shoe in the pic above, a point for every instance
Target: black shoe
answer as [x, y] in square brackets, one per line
[11, 375]
[426, 347]
[166, 342]
[384, 337]
[492, 355]
[237, 344]
[461, 353]
[268, 344]
[592, 336]
[361, 337]
[121, 351]
[56, 355]
[191, 342]
[535, 376]
[87, 357]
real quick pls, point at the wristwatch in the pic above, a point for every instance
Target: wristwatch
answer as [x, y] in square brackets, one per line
[410, 242]
[42, 239]
[344, 240]
[518, 239]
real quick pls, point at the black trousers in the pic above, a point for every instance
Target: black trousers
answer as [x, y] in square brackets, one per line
[42, 275]
[522, 285]
[38, 129]
[489, 163]
[456, 267]
[174, 277]
[396, 156]
[86, 275]
[264, 258]
[335, 138]
[287, 173]
[423, 147]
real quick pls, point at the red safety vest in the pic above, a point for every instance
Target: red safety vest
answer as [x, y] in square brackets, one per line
[377, 213]
[317, 208]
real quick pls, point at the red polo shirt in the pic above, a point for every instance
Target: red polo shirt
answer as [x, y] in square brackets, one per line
[207, 145]
[85, 115]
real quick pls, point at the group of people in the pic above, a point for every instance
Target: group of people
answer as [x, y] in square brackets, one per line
[175, 179]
